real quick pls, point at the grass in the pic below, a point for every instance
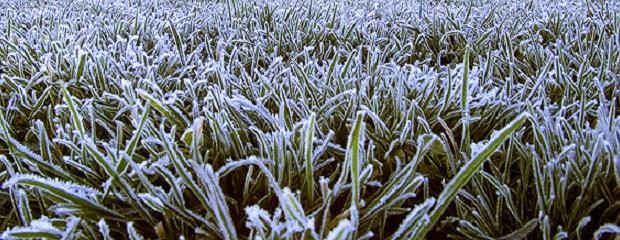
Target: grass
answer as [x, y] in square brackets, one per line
[309, 119]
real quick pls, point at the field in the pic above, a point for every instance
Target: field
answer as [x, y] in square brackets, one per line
[309, 119]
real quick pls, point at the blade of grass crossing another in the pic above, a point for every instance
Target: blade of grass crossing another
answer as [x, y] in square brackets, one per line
[217, 200]
[23, 208]
[121, 167]
[468, 170]
[180, 122]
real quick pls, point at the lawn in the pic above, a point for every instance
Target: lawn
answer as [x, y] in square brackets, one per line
[309, 119]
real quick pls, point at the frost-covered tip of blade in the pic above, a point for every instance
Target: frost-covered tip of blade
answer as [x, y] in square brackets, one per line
[104, 229]
[259, 221]
[342, 231]
[132, 232]
[607, 229]
[293, 211]
[34, 180]
[256, 216]
[414, 221]
[41, 228]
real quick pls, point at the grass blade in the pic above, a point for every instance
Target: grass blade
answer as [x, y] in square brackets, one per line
[468, 170]
[309, 164]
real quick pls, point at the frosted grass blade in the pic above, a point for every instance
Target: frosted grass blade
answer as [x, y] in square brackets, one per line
[469, 169]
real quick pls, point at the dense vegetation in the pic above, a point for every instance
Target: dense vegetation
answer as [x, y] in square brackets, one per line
[309, 119]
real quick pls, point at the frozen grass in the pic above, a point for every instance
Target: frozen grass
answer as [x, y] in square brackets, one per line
[309, 119]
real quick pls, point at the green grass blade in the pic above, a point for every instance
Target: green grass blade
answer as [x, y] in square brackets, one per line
[75, 115]
[469, 169]
[68, 192]
[464, 103]
[40, 229]
[309, 164]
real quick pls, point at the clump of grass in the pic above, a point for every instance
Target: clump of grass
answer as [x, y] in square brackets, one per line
[309, 120]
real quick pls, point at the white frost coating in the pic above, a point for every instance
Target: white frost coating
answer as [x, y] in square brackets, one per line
[252, 75]
[152, 201]
[341, 231]
[132, 233]
[42, 225]
[607, 229]
[293, 211]
[104, 229]
[75, 189]
[216, 199]
[415, 219]
[477, 147]
[257, 217]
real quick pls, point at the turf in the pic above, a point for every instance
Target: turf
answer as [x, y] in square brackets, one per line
[257, 119]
